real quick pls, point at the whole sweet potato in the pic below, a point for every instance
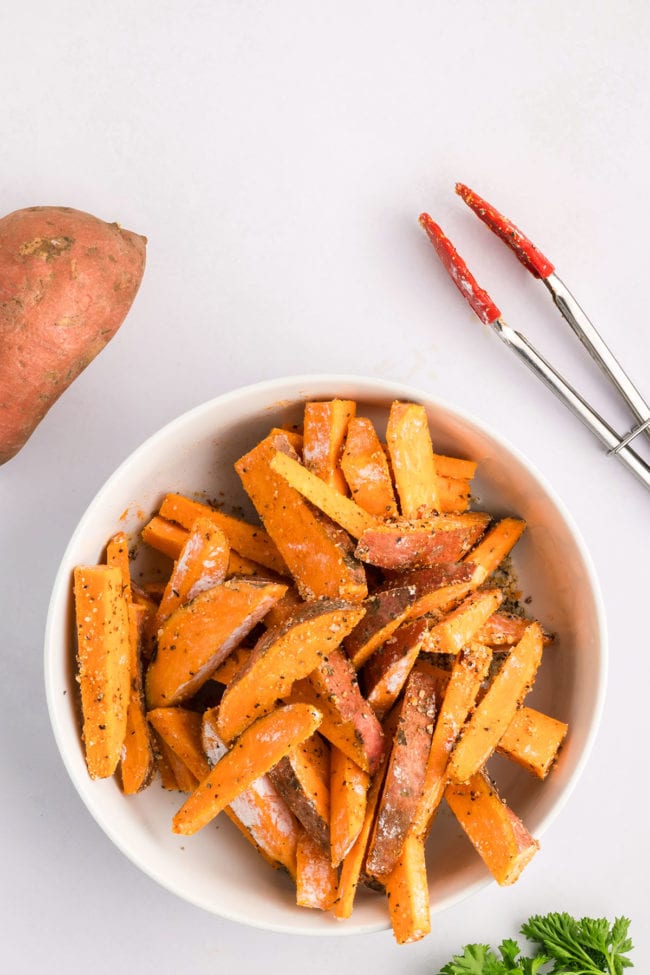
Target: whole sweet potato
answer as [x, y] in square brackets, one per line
[67, 281]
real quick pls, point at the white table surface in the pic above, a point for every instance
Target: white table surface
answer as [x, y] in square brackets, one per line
[277, 156]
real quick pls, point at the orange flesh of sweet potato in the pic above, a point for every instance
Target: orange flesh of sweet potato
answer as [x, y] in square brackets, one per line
[454, 495]
[348, 790]
[316, 878]
[454, 467]
[457, 628]
[202, 564]
[435, 586]
[422, 542]
[325, 428]
[259, 812]
[164, 769]
[180, 729]
[497, 708]
[408, 893]
[341, 509]
[366, 470]
[185, 780]
[117, 554]
[502, 630]
[385, 611]
[284, 608]
[165, 536]
[497, 834]
[256, 751]
[533, 740]
[316, 551]
[103, 658]
[335, 680]
[494, 546]
[68, 281]
[469, 671]
[411, 454]
[197, 637]
[233, 663]
[302, 779]
[405, 775]
[282, 656]
[248, 540]
[388, 669]
[136, 758]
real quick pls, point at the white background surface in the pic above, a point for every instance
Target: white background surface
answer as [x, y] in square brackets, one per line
[277, 156]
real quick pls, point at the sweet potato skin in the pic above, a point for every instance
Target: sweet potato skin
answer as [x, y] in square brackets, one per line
[68, 281]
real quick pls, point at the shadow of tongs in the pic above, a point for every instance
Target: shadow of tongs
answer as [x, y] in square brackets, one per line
[540, 267]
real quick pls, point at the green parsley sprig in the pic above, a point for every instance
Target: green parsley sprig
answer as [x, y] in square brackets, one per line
[566, 946]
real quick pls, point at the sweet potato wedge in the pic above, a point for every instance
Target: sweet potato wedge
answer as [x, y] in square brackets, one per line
[302, 779]
[136, 757]
[248, 540]
[202, 564]
[348, 791]
[411, 454]
[335, 680]
[494, 546]
[385, 611]
[483, 731]
[457, 628]
[366, 470]
[231, 665]
[324, 431]
[103, 656]
[259, 812]
[454, 467]
[421, 542]
[165, 536]
[495, 831]
[180, 729]
[256, 751]
[387, 671]
[405, 775]
[408, 893]
[533, 740]
[316, 878]
[454, 495]
[502, 630]
[197, 637]
[282, 656]
[317, 552]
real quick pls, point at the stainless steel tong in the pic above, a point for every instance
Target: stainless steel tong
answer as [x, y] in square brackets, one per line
[535, 262]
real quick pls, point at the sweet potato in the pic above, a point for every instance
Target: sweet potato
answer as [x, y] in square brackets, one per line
[282, 656]
[411, 454]
[388, 669]
[316, 878]
[366, 470]
[385, 611]
[180, 729]
[458, 627]
[421, 542]
[202, 564]
[165, 536]
[302, 779]
[325, 427]
[533, 740]
[435, 587]
[256, 751]
[493, 547]
[136, 756]
[454, 467]
[348, 790]
[68, 281]
[496, 832]
[197, 637]
[103, 658]
[502, 630]
[408, 893]
[317, 552]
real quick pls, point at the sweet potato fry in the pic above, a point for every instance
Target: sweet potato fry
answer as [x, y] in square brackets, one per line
[324, 431]
[421, 542]
[496, 832]
[259, 812]
[454, 495]
[282, 656]
[117, 555]
[316, 878]
[533, 740]
[348, 790]
[197, 637]
[302, 779]
[165, 536]
[248, 540]
[502, 630]
[483, 731]
[317, 552]
[180, 729]
[256, 751]
[102, 623]
[388, 669]
[164, 769]
[341, 509]
[464, 683]
[136, 758]
[411, 454]
[284, 608]
[202, 564]
[231, 665]
[494, 546]
[184, 778]
[434, 587]
[454, 467]
[457, 628]
[335, 680]
[385, 611]
[405, 775]
[366, 470]
[408, 893]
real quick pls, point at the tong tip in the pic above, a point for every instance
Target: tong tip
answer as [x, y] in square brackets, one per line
[478, 299]
[526, 252]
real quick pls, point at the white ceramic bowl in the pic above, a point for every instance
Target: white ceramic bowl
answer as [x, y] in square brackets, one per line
[216, 869]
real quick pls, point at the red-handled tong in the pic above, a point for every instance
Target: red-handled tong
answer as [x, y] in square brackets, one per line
[488, 312]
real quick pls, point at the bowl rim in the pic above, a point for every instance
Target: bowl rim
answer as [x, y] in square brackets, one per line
[276, 390]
